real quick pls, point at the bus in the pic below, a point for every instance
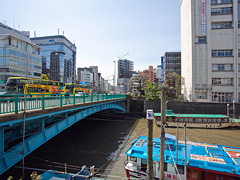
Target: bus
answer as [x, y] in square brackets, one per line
[21, 85]
[78, 88]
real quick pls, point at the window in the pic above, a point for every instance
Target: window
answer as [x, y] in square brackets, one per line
[222, 53]
[214, 2]
[202, 39]
[222, 81]
[222, 25]
[133, 159]
[180, 169]
[221, 11]
[222, 67]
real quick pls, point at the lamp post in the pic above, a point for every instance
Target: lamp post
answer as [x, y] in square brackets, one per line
[114, 77]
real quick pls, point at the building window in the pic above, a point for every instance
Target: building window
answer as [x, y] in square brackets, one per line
[222, 81]
[222, 96]
[202, 40]
[214, 2]
[222, 25]
[221, 11]
[222, 53]
[222, 67]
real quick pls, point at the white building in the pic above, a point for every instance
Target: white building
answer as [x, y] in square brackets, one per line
[86, 77]
[209, 49]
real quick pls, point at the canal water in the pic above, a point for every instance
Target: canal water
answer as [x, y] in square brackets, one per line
[102, 140]
[92, 141]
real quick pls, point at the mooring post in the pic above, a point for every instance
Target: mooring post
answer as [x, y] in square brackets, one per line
[150, 144]
[162, 138]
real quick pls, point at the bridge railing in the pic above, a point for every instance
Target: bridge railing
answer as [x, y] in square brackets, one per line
[17, 103]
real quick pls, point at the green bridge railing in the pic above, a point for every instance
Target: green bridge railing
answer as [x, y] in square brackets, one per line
[17, 103]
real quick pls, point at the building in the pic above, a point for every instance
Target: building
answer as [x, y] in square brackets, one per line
[19, 57]
[150, 73]
[210, 50]
[171, 63]
[95, 78]
[125, 72]
[58, 57]
[85, 76]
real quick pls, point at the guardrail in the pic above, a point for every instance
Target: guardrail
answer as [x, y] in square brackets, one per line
[17, 103]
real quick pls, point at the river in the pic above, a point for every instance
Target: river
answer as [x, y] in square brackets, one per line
[102, 140]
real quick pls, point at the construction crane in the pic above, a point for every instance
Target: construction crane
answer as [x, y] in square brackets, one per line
[123, 56]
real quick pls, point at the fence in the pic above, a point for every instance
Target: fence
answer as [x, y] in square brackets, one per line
[17, 103]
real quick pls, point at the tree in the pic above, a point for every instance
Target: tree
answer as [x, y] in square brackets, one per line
[151, 91]
[174, 82]
[44, 76]
[136, 84]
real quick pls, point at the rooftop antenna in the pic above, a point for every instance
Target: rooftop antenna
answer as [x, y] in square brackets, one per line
[13, 22]
[4, 22]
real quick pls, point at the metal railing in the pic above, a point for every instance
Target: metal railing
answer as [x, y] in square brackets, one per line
[17, 103]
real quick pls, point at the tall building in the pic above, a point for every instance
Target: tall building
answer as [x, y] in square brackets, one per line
[58, 57]
[95, 78]
[125, 72]
[18, 55]
[172, 63]
[210, 49]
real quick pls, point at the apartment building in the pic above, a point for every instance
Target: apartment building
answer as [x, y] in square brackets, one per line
[210, 50]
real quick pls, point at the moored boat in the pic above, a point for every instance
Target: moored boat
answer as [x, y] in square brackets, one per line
[194, 120]
[203, 161]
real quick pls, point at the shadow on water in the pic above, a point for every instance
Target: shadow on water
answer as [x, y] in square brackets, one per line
[92, 141]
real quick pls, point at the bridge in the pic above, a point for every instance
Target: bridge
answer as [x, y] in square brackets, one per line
[29, 122]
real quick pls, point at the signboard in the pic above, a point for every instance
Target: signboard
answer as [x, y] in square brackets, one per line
[83, 83]
[203, 19]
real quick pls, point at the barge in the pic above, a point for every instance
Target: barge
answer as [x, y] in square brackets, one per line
[194, 120]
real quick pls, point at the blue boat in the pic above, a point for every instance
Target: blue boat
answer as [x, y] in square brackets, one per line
[203, 161]
[58, 175]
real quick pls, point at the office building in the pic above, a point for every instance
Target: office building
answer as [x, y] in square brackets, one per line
[85, 76]
[19, 57]
[125, 72]
[210, 50]
[172, 63]
[58, 57]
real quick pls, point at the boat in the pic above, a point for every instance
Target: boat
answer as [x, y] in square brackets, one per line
[83, 174]
[203, 161]
[212, 121]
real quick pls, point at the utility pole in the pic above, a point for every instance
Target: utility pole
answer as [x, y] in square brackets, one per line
[233, 109]
[150, 144]
[162, 145]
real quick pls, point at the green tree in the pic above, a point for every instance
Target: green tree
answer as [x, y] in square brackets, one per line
[174, 82]
[44, 76]
[151, 91]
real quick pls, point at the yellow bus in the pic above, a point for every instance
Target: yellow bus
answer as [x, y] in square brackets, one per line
[22, 85]
[78, 88]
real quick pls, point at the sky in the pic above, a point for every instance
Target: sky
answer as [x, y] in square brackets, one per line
[103, 30]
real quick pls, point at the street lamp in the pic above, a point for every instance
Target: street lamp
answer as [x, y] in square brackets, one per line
[114, 77]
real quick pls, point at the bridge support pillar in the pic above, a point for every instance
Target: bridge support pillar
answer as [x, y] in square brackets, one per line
[1, 141]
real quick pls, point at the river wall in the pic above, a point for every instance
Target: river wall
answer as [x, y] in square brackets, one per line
[140, 106]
